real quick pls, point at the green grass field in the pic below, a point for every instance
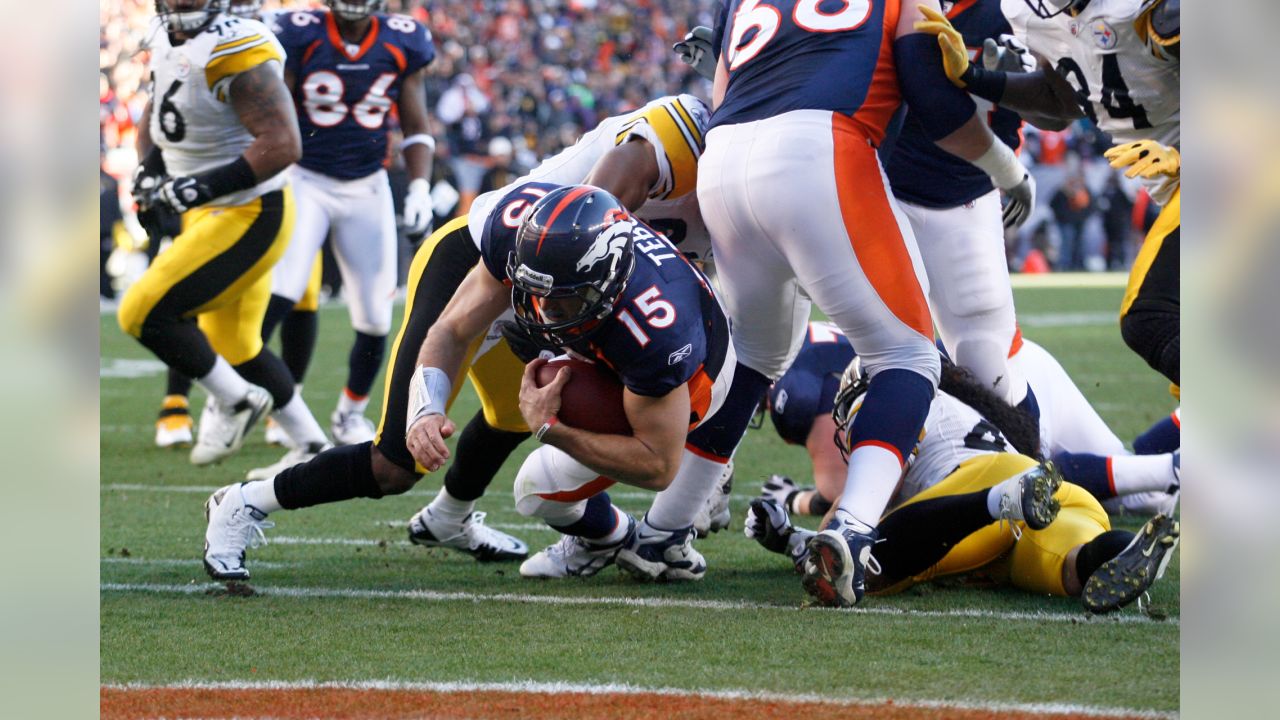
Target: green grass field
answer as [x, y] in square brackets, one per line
[343, 597]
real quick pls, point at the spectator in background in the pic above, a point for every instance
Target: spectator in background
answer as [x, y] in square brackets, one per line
[462, 110]
[1072, 205]
[503, 169]
[1117, 222]
[110, 222]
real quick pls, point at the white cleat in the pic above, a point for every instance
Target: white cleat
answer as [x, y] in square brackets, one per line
[657, 554]
[351, 428]
[275, 434]
[471, 536]
[714, 515]
[296, 456]
[233, 527]
[222, 430]
[575, 557]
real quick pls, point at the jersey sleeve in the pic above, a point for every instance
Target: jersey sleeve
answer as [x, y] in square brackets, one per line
[675, 126]
[664, 365]
[251, 45]
[419, 48]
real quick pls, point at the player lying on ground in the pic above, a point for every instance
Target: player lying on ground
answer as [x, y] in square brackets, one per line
[972, 501]
[1086, 451]
[587, 277]
[648, 158]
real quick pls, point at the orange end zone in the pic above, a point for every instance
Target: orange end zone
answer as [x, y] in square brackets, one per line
[359, 704]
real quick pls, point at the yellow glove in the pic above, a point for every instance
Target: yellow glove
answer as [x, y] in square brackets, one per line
[955, 56]
[1146, 159]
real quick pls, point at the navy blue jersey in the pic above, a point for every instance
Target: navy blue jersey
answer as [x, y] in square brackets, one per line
[922, 173]
[666, 329]
[344, 93]
[785, 55]
[808, 389]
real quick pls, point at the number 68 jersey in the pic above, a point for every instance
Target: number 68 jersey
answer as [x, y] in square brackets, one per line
[192, 121]
[344, 92]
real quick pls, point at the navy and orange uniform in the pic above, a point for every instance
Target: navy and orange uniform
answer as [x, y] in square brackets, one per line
[809, 55]
[808, 389]
[666, 329]
[345, 92]
[919, 171]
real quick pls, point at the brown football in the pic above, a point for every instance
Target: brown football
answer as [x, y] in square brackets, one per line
[591, 400]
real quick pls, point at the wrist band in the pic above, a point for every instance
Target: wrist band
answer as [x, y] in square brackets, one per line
[986, 84]
[429, 392]
[1002, 165]
[233, 177]
[419, 139]
[551, 422]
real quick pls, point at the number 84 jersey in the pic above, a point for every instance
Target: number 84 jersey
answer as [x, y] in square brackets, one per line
[345, 91]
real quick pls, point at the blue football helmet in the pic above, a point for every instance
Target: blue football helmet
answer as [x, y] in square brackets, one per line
[356, 9]
[574, 252]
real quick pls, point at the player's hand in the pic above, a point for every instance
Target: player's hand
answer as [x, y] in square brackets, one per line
[419, 210]
[1007, 54]
[780, 489]
[180, 194]
[768, 523]
[1146, 159]
[537, 404]
[145, 184]
[696, 51]
[955, 56]
[425, 440]
[1021, 202]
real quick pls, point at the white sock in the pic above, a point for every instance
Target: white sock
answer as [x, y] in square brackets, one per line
[298, 422]
[447, 507]
[873, 477]
[1141, 473]
[224, 383]
[347, 403]
[675, 507]
[262, 495]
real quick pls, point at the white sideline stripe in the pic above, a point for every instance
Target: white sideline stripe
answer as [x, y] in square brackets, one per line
[187, 562]
[556, 688]
[1069, 280]
[654, 602]
[1069, 319]
[362, 542]
[499, 526]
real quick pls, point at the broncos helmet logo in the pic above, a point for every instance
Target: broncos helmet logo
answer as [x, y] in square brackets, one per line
[609, 243]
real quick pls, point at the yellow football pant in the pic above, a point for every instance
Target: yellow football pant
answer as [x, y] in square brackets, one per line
[1033, 563]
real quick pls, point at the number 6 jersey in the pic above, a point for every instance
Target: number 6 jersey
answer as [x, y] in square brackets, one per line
[192, 121]
[343, 92]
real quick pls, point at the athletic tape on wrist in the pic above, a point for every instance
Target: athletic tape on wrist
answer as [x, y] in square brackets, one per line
[1002, 165]
[429, 392]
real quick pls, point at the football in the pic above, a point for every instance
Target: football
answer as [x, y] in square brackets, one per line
[591, 400]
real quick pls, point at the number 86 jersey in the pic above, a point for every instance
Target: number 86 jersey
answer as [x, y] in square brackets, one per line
[343, 91]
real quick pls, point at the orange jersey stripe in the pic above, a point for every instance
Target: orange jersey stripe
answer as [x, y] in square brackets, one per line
[883, 95]
[595, 487]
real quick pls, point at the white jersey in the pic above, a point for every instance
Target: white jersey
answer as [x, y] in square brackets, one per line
[675, 126]
[192, 121]
[1130, 80]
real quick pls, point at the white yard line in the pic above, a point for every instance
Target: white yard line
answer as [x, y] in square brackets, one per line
[1069, 319]
[206, 489]
[187, 562]
[557, 688]
[1069, 280]
[654, 602]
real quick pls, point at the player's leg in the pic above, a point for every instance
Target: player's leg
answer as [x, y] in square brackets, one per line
[292, 275]
[298, 335]
[571, 498]
[207, 265]
[364, 244]
[969, 291]
[1162, 437]
[173, 424]
[1151, 310]
[1109, 476]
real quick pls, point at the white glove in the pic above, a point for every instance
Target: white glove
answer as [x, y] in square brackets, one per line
[419, 210]
[1021, 202]
[695, 51]
[768, 523]
[1007, 54]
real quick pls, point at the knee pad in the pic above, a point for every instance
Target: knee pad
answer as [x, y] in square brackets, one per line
[132, 313]
[551, 490]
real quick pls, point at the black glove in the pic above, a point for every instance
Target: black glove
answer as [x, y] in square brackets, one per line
[522, 344]
[160, 222]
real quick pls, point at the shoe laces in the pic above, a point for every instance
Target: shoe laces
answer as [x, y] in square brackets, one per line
[250, 528]
[480, 534]
[1008, 518]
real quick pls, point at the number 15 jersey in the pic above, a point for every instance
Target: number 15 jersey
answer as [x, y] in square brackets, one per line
[343, 91]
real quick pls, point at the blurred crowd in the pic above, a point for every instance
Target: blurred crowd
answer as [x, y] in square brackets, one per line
[515, 81]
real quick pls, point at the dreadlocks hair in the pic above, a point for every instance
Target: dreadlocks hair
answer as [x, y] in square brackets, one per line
[1018, 427]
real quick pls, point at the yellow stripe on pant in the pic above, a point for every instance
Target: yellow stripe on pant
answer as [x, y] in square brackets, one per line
[310, 300]
[209, 251]
[1033, 563]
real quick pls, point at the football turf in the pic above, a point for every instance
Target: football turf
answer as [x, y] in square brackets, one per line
[343, 598]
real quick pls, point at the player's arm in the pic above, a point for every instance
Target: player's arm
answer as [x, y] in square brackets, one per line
[648, 458]
[144, 144]
[627, 172]
[263, 105]
[949, 116]
[478, 301]
[418, 149]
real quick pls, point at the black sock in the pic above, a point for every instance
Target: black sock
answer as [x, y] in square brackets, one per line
[479, 455]
[338, 474]
[1099, 550]
[277, 309]
[916, 537]
[179, 384]
[268, 371]
[298, 341]
[365, 361]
